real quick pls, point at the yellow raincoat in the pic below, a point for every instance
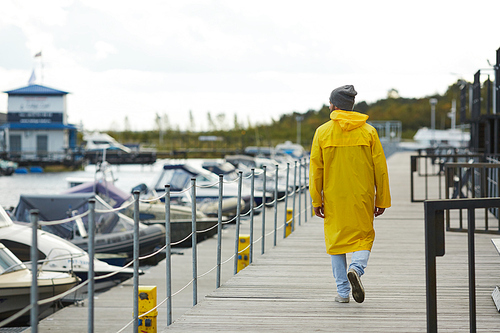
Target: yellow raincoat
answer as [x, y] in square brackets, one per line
[347, 166]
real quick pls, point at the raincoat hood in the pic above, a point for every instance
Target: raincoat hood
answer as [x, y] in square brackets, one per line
[348, 120]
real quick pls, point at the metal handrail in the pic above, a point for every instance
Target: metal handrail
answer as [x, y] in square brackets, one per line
[437, 162]
[475, 178]
[435, 246]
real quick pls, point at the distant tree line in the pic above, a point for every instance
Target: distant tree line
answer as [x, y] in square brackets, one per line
[414, 113]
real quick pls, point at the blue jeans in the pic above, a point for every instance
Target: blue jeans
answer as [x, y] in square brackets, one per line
[359, 260]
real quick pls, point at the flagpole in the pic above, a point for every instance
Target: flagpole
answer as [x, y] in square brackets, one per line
[39, 54]
[41, 65]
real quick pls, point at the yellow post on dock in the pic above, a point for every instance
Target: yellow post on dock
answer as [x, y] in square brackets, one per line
[289, 222]
[243, 252]
[147, 301]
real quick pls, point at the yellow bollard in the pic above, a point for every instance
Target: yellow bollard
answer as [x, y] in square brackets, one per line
[243, 252]
[147, 301]
[289, 217]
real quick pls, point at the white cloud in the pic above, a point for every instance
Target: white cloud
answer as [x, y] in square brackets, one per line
[104, 49]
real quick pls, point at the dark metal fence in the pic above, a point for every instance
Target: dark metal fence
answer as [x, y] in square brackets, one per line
[435, 246]
[472, 180]
[430, 167]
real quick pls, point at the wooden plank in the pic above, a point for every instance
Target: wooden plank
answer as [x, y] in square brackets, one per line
[496, 243]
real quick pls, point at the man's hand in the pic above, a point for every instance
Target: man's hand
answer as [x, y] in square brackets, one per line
[378, 211]
[319, 212]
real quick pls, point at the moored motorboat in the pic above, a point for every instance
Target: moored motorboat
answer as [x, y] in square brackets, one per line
[179, 176]
[101, 146]
[245, 163]
[15, 286]
[153, 211]
[445, 138]
[7, 168]
[57, 255]
[294, 150]
[114, 231]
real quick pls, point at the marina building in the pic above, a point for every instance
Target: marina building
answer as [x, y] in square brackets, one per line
[37, 129]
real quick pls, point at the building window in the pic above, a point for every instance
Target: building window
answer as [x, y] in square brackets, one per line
[42, 146]
[15, 145]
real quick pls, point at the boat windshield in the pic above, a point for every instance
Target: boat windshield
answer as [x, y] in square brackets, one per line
[177, 178]
[207, 178]
[8, 261]
[5, 220]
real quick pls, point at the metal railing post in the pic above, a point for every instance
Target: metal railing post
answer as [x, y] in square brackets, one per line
[497, 189]
[471, 226]
[460, 196]
[305, 190]
[91, 276]
[413, 166]
[439, 178]
[193, 241]
[276, 205]
[263, 240]
[252, 199]
[430, 266]
[300, 191]
[136, 261]
[34, 271]
[238, 213]
[484, 193]
[286, 198]
[219, 231]
[294, 192]
[425, 176]
[473, 181]
[168, 257]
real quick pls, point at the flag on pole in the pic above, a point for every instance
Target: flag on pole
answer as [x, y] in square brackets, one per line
[32, 78]
[39, 54]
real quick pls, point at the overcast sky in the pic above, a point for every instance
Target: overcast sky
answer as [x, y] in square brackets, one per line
[258, 59]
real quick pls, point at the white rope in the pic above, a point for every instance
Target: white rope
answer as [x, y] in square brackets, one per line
[231, 181]
[154, 199]
[228, 260]
[69, 219]
[207, 186]
[207, 230]
[211, 269]
[229, 221]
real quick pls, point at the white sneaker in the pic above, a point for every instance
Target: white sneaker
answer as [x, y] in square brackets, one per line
[341, 299]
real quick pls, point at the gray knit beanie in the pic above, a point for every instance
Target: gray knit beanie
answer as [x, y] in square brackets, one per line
[343, 97]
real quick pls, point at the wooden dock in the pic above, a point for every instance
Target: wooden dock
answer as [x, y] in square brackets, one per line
[291, 289]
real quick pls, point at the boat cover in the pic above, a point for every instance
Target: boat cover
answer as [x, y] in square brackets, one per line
[109, 192]
[54, 207]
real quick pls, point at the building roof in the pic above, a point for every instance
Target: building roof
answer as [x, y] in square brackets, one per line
[48, 126]
[36, 89]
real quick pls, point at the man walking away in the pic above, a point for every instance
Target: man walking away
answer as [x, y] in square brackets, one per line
[349, 185]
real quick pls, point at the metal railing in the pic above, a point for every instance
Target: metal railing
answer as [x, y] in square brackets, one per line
[298, 190]
[493, 179]
[435, 246]
[432, 166]
[388, 131]
[472, 180]
[61, 155]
